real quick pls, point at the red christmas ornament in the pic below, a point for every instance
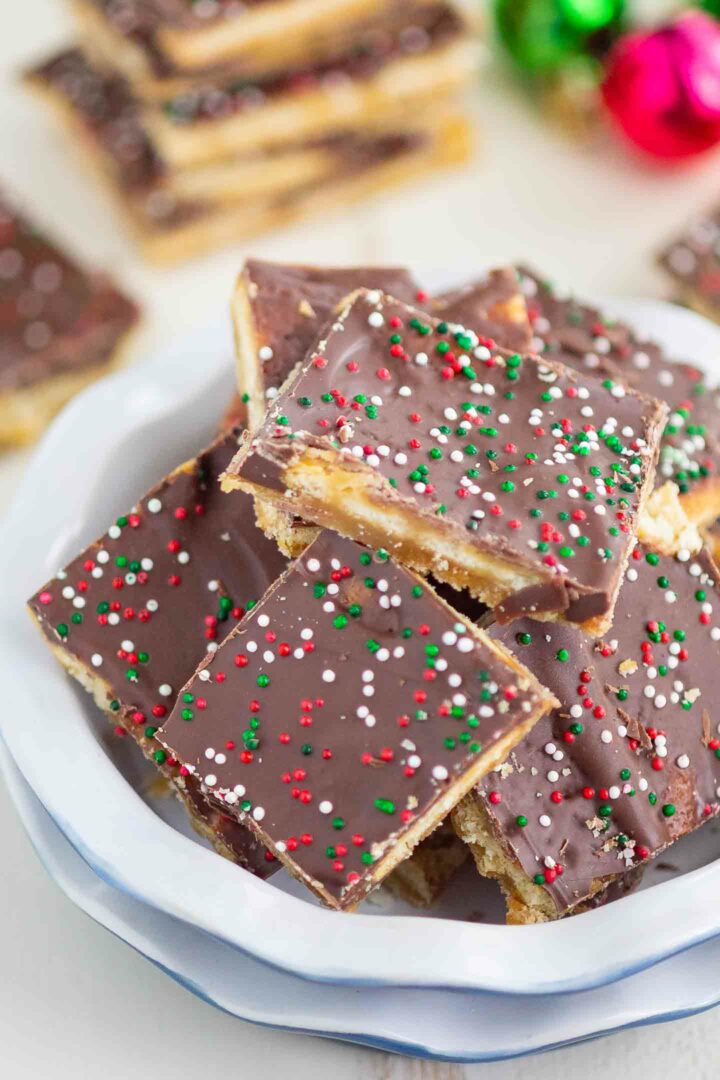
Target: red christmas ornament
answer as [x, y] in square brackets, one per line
[663, 87]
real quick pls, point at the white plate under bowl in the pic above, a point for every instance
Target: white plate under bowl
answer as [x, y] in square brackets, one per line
[457, 1027]
[110, 444]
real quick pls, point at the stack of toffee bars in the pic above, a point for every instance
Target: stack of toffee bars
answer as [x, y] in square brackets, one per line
[350, 713]
[212, 120]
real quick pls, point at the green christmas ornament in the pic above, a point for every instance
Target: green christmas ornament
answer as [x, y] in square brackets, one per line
[542, 36]
[588, 16]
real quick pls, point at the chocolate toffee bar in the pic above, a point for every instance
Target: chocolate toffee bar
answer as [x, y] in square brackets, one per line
[693, 262]
[278, 311]
[346, 714]
[196, 35]
[132, 615]
[627, 764]
[176, 213]
[421, 57]
[60, 327]
[125, 37]
[580, 336]
[513, 476]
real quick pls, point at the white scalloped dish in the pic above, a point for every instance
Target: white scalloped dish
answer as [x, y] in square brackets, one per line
[112, 442]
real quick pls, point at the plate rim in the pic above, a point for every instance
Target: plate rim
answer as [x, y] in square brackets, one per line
[55, 851]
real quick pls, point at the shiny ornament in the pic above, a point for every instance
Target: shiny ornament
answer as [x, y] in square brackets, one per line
[662, 87]
[587, 16]
[542, 36]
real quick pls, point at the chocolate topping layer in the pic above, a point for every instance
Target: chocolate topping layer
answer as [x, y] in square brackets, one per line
[629, 762]
[580, 336]
[54, 317]
[693, 261]
[534, 463]
[142, 606]
[342, 711]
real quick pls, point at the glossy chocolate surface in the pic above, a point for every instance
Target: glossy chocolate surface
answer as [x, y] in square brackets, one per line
[341, 710]
[630, 761]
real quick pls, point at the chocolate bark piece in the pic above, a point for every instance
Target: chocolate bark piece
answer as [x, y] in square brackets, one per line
[133, 614]
[579, 335]
[510, 475]
[178, 213]
[692, 260]
[628, 763]
[346, 714]
[60, 326]
[279, 310]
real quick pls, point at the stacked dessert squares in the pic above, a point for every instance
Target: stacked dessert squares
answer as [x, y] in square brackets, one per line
[279, 624]
[211, 120]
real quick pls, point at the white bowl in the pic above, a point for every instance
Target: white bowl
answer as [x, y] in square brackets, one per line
[112, 442]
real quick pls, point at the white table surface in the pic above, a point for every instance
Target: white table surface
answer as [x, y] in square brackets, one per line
[76, 1002]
